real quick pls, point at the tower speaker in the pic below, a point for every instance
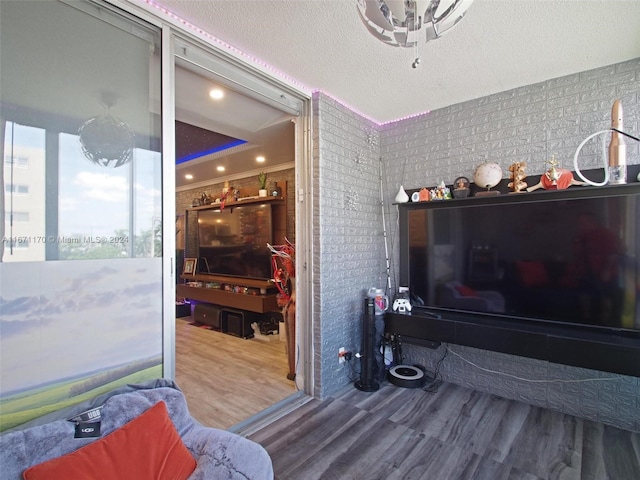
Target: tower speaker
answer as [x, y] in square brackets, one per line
[367, 382]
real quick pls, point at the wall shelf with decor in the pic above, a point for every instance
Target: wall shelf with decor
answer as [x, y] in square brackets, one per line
[240, 201]
[279, 215]
[507, 196]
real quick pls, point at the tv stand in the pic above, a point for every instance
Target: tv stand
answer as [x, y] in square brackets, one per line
[574, 345]
[196, 289]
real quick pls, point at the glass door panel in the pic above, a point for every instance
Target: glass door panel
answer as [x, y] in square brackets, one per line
[81, 305]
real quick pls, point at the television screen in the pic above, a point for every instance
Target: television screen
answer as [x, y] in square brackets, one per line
[573, 260]
[233, 241]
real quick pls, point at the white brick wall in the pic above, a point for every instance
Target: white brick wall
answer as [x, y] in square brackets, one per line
[348, 236]
[525, 124]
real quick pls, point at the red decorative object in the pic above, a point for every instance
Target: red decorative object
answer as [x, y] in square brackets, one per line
[284, 269]
[223, 199]
[283, 259]
[555, 178]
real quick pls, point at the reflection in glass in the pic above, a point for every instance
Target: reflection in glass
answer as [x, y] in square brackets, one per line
[80, 276]
[573, 260]
[24, 193]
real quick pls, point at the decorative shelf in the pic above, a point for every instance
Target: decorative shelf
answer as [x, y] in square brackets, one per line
[233, 203]
[540, 195]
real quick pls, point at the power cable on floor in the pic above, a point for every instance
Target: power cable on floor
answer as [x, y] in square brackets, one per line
[556, 380]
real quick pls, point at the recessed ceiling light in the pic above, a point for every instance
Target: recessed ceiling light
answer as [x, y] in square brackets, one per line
[260, 159]
[188, 176]
[216, 93]
[220, 168]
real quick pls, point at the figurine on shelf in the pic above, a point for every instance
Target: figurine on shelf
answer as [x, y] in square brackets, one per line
[517, 183]
[441, 192]
[554, 173]
[205, 199]
[555, 178]
[461, 187]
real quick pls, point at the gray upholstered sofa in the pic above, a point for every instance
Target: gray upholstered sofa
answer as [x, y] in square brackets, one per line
[218, 454]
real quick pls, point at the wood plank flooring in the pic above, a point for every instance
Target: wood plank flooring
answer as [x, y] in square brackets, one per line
[455, 433]
[227, 379]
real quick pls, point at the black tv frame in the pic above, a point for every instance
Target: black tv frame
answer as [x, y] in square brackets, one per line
[609, 350]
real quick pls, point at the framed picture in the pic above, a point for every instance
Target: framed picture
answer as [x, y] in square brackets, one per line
[461, 183]
[461, 187]
[190, 266]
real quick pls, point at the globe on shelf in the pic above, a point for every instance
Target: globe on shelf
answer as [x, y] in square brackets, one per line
[487, 175]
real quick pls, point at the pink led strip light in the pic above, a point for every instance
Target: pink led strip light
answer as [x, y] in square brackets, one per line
[268, 67]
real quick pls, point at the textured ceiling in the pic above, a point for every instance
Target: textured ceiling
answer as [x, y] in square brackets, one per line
[499, 45]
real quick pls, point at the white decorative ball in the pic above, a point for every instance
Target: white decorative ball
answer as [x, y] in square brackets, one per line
[487, 175]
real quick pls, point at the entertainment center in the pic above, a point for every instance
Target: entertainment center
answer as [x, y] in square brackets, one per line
[231, 283]
[552, 275]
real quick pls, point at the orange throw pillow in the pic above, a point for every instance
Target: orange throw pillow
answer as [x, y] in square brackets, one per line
[148, 447]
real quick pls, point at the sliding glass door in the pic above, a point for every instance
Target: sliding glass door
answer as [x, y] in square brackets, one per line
[81, 268]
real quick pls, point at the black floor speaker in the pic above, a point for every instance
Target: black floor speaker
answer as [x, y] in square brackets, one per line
[238, 322]
[207, 314]
[367, 381]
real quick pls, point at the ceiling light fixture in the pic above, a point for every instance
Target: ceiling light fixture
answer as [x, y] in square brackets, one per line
[260, 159]
[106, 140]
[188, 176]
[399, 22]
[216, 93]
[220, 168]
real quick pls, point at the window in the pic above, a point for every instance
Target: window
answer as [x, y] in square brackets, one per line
[70, 227]
[17, 189]
[17, 242]
[18, 162]
[17, 216]
[120, 204]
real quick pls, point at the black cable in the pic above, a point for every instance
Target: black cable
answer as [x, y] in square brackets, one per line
[626, 134]
[433, 385]
[353, 369]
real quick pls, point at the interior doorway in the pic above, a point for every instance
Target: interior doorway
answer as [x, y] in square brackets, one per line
[227, 378]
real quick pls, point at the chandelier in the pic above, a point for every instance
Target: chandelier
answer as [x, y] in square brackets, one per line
[400, 22]
[106, 140]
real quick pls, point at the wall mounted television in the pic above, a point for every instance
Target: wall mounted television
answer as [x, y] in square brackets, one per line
[527, 274]
[233, 241]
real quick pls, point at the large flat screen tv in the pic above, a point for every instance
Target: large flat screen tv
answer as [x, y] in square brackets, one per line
[233, 241]
[548, 257]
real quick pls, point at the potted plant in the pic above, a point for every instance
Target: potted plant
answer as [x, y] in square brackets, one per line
[262, 178]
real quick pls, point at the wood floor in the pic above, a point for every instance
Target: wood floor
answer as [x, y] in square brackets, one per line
[455, 433]
[227, 379]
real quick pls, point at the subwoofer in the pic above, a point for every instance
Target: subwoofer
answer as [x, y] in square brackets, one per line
[238, 322]
[207, 314]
